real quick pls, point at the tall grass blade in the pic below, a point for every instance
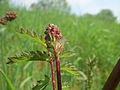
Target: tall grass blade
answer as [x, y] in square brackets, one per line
[7, 80]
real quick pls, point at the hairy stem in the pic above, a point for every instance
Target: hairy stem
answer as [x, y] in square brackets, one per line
[53, 74]
[57, 59]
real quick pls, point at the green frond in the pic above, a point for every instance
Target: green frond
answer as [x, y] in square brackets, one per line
[29, 56]
[33, 35]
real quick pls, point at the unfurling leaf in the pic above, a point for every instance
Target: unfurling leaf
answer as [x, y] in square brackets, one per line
[42, 84]
[34, 36]
[29, 56]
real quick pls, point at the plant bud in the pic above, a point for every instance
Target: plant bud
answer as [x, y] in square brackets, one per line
[10, 16]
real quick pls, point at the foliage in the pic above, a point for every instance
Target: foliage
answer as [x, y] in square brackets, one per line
[41, 84]
[106, 15]
[86, 35]
[51, 4]
[7, 80]
[33, 35]
[51, 41]
[29, 56]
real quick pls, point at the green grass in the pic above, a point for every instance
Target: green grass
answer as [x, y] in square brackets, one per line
[87, 36]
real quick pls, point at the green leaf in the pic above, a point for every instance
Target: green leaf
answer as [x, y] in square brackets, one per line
[67, 54]
[71, 70]
[34, 36]
[42, 84]
[29, 56]
[7, 80]
[74, 72]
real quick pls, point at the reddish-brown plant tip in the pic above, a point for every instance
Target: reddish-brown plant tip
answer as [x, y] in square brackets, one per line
[10, 16]
[2, 21]
[54, 31]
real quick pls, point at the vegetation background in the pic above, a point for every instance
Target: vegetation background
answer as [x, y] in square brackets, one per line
[92, 37]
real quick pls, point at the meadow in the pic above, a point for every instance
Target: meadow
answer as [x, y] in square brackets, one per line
[90, 38]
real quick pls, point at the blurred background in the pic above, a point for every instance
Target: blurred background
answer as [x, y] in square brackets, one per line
[92, 28]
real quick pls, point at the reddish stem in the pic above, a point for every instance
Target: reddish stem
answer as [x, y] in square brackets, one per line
[53, 75]
[57, 59]
[58, 73]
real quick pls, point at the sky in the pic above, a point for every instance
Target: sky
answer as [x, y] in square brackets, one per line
[81, 7]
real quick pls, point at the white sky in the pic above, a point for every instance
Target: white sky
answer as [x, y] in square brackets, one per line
[83, 6]
[25, 3]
